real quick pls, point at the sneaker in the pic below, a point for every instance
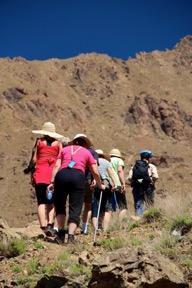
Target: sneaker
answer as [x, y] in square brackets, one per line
[60, 238]
[84, 233]
[50, 231]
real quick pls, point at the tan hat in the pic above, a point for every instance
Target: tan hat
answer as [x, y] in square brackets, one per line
[115, 152]
[83, 136]
[48, 129]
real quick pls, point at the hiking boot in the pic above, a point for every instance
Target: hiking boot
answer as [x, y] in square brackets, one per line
[50, 231]
[60, 238]
[71, 239]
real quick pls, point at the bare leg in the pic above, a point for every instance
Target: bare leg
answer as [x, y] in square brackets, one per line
[95, 224]
[122, 214]
[72, 228]
[61, 221]
[86, 217]
[50, 213]
[86, 213]
[42, 215]
[106, 220]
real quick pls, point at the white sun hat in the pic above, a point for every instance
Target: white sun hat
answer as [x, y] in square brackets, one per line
[48, 129]
[83, 136]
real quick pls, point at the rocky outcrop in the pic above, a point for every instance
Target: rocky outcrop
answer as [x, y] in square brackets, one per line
[160, 115]
[139, 269]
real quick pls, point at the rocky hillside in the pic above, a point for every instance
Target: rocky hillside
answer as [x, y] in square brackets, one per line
[144, 102]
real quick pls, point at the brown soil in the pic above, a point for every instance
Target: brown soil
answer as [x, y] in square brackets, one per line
[144, 102]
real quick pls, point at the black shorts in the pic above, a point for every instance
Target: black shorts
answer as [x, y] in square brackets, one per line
[119, 200]
[69, 181]
[88, 193]
[106, 200]
[40, 190]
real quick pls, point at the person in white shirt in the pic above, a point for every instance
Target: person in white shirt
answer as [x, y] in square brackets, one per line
[142, 177]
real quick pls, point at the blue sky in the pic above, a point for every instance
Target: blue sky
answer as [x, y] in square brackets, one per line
[42, 29]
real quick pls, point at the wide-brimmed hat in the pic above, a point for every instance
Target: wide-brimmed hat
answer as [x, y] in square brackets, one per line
[83, 136]
[48, 129]
[115, 152]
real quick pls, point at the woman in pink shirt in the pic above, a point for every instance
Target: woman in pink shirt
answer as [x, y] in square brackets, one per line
[68, 178]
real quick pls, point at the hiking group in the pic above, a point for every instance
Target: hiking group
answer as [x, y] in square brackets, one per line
[69, 176]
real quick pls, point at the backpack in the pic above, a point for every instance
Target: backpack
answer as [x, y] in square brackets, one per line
[141, 173]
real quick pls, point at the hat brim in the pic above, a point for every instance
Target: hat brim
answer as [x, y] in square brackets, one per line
[88, 142]
[47, 133]
[119, 156]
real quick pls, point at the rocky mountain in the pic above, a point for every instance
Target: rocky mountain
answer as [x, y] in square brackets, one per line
[144, 102]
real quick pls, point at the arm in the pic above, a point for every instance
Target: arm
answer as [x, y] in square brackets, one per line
[32, 162]
[55, 170]
[95, 173]
[121, 177]
[111, 175]
[129, 178]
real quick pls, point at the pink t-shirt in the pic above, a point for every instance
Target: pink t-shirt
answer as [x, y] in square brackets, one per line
[82, 157]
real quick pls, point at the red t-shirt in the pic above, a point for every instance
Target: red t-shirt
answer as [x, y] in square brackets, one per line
[80, 155]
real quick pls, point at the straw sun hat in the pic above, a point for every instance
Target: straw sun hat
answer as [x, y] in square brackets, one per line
[48, 129]
[83, 136]
[115, 152]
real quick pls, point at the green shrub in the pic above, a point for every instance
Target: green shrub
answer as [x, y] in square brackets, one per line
[16, 268]
[13, 248]
[113, 243]
[38, 245]
[187, 262]
[136, 241]
[32, 266]
[133, 225]
[64, 255]
[77, 269]
[51, 268]
[167, 246]
[152, 215]
[180, 222]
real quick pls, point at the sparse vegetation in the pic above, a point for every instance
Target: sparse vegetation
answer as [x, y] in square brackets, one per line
[51, 268]
[38, 245]
[152, 215]
[167, 246]
[77, 269]
[32, 266]
[135, 241]
[13, 248]
[181, 222]
[16, 268]
[133, 225]
[113, 243]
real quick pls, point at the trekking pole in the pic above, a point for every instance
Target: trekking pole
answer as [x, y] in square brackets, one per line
[98, 212]
[116, 203]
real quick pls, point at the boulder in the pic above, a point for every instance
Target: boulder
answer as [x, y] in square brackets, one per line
[126, 267]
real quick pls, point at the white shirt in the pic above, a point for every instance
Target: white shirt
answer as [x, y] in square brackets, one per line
[152, 172]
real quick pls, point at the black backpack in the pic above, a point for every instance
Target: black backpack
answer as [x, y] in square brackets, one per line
[141, 173]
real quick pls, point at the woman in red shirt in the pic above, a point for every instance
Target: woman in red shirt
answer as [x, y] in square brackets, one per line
[69, 180]
[46, 152]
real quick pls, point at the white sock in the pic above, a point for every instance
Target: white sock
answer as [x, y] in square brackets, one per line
[85, 227]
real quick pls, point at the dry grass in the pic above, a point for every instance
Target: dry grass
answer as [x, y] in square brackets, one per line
[175, 204]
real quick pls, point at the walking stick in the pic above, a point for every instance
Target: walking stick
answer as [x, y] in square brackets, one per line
[98, 212]
[116, 203]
